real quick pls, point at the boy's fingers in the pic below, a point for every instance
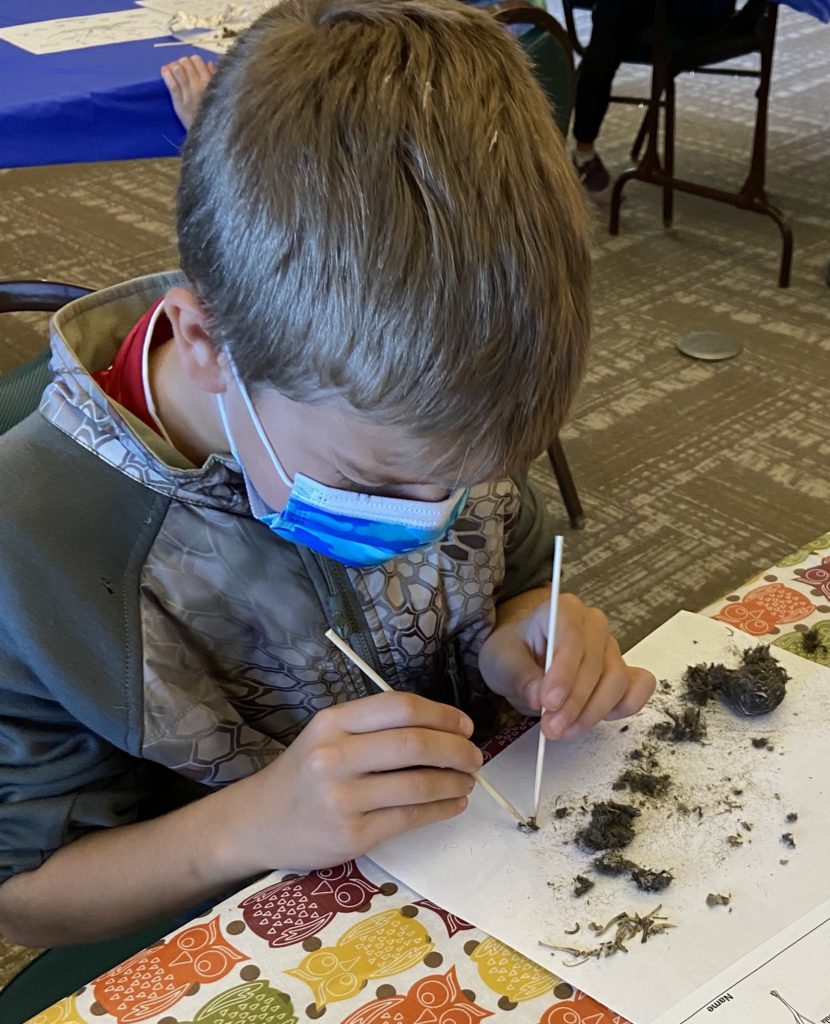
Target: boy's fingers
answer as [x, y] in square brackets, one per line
[581, 632]
[394, 821]
[393, 749]
[599, 706]
[397, 711]
[591, 675]
[602, 680]
[640, 688]
[401, 788]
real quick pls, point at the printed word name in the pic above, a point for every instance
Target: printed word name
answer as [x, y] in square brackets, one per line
[719, 1002]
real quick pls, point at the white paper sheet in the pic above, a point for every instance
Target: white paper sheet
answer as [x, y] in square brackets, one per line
[63, 34]
[783, 981]
[519, 887]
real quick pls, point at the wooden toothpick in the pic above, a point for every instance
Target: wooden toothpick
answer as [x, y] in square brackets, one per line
[556, 575]
[381, 684]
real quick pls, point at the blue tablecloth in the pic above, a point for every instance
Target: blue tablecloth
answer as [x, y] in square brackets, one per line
[101, 103]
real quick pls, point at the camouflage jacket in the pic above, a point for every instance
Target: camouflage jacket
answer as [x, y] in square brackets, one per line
[151, 626]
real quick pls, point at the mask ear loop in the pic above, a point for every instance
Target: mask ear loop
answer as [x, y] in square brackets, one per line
[257, 422]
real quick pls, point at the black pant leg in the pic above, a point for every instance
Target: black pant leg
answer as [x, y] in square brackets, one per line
[699, 17]
[614, 23]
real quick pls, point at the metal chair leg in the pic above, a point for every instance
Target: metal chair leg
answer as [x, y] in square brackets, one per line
[567, 487]
[668, 153]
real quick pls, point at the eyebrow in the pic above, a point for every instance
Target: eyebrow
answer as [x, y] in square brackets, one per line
[375, 481]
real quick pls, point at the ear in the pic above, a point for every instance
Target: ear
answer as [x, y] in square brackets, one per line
[201, 360]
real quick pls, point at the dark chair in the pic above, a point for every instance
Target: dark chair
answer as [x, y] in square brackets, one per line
[56, 972]
[21, 388]
[568, 7]
[550, 51]
[749, 31]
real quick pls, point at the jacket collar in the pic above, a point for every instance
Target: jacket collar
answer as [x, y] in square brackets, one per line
[85, 336]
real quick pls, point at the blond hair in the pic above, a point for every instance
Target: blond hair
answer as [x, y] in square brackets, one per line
[375, 204]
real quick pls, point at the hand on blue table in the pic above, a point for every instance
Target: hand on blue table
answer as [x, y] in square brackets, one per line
[186, 80]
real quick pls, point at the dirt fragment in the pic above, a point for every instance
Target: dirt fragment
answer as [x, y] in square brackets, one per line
[812, 643]
[734, 840]
[699, 687]
[761, 743]
[651, 881]
[611, 826]
[648, 783]
[756, 687]
[685, 726]
[792, 816]
[562, 812]
[582, 885]
[788, 840]
[718, 899]
[612, 864]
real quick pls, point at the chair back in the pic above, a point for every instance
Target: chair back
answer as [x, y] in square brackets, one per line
[550, 51]
[21, 388]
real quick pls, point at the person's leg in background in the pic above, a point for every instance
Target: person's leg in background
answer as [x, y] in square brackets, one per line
[614, 23]
[694, 19]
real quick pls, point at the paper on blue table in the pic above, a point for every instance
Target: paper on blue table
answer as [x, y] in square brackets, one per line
[203, 22]
[62, 34]
[519, 887]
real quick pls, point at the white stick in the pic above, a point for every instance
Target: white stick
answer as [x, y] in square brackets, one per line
[556, 575]
[381, 684]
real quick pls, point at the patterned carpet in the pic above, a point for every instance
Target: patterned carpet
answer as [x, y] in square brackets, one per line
[694, 476]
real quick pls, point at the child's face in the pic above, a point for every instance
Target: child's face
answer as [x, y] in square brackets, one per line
[329, 443]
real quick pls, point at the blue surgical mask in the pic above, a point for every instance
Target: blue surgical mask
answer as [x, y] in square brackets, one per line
[360, 530]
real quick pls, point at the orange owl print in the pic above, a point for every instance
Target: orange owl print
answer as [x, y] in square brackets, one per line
[762, 610]
[436, 999]
[580, 1009]
[154, 980]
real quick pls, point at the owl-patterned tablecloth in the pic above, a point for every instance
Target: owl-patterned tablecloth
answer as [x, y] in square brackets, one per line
[788, 605]
[346, 945]
[350, 945]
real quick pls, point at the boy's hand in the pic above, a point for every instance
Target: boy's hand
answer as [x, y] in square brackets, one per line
[358, 774]
[588, 680]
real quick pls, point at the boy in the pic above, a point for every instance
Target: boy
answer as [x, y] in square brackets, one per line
[384, 313]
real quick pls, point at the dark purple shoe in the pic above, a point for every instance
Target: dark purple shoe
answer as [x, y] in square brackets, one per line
[595, 179]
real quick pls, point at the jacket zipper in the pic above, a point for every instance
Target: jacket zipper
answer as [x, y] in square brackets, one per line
[348, 616]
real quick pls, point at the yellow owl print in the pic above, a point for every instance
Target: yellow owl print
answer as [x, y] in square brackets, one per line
[509, 973]
[382, 945]
[64, 1012]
